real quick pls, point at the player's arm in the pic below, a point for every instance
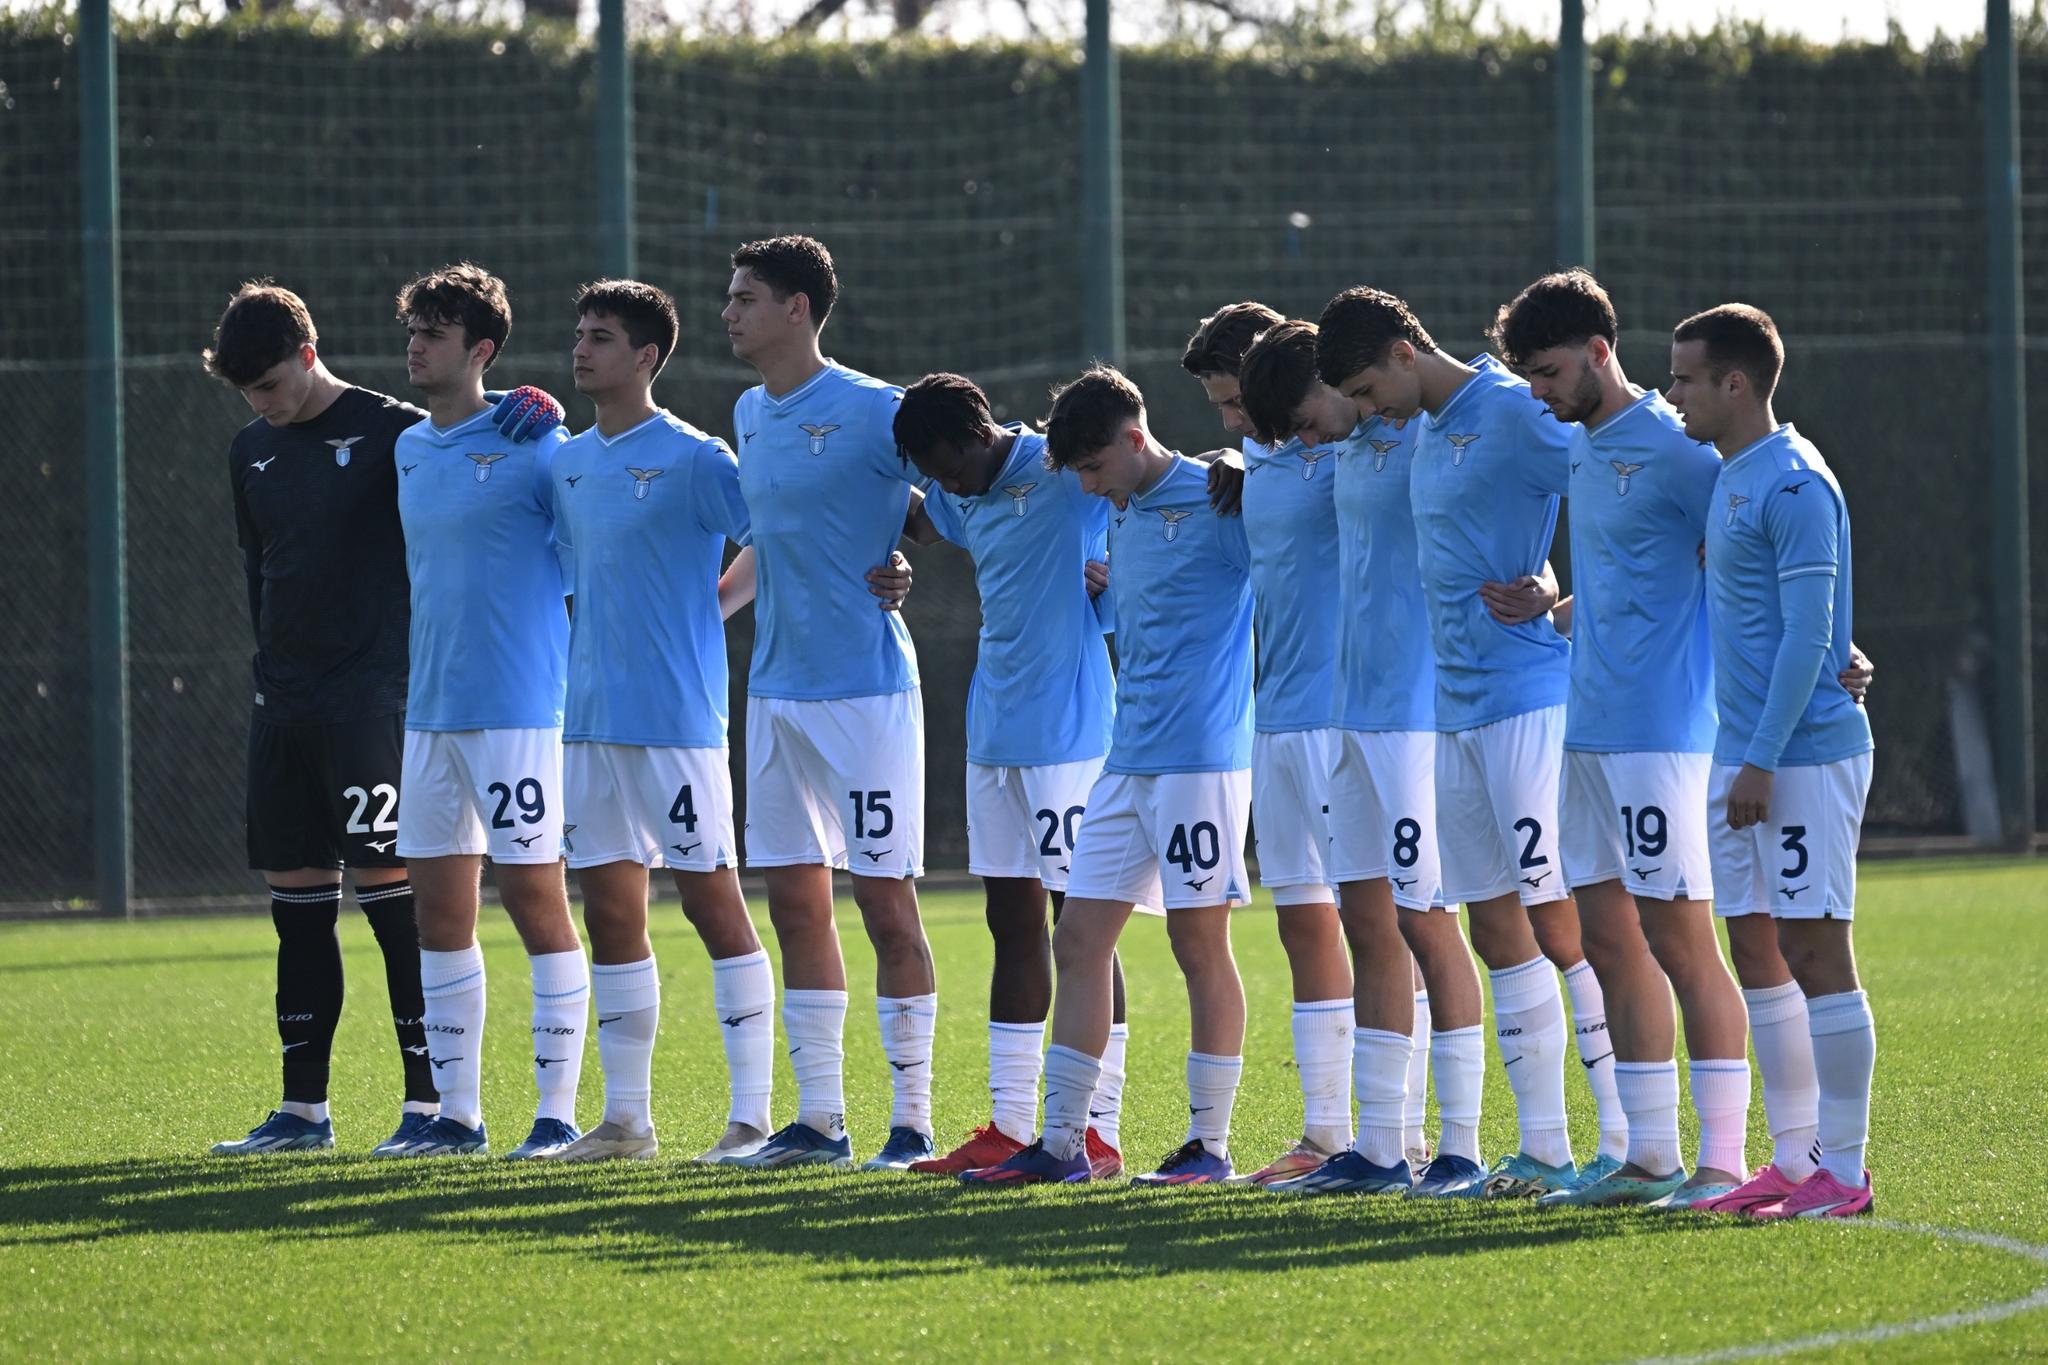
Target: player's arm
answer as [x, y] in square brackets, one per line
[736, 584]
[891, 581]
[917, 522]
[525, 414]
[250, 539]
[1226, 481]
[1526, 598]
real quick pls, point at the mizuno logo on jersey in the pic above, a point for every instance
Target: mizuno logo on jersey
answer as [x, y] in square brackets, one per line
[1735, 501]
[817, 435]
[483, 466]
[1018, 493]
[260, 465]
[1380, 451]
[1459, 444]
[341, 450]
[1794, 487]
[643, 479]
[384, 847]
[1309, 460]
[1173, 520]
[572, 479]
[1623, 471]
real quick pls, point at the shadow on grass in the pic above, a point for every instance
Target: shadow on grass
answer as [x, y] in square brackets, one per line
[663, 1217]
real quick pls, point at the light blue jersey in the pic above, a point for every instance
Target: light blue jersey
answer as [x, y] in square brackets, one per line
[1778, 603]
[1642, 669]
[1386, 665]
[489, 632]
[645, 516]
[1180, 576]
[1042, 691]
[827, 493]
[1488, 472]
[1290, 519]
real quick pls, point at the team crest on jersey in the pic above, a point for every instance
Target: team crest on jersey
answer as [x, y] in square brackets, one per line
[1173, 520]
[817, 435]
[341, 450]
[1018, 493]
[1459, 445]
[483, 466]
[643, 479]
[1623, 472]
[1735, 501]
[1309, 460]
[1380, 451]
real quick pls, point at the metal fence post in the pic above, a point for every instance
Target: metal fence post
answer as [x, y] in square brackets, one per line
[614, 141]
[1102, 193]
[1574, 139]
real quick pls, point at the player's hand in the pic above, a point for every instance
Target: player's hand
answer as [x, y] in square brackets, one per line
[1525, 599]
[1856, 677]
[1097, 574]
[1749, 797]
[526, 413]
[1226, 482]
[891, 582]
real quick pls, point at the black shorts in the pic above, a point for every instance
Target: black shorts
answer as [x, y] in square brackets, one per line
[324, 795]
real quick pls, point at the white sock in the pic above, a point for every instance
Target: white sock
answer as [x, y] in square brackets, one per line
[1379, 1076]
[1720, 1096]
[1070, 1079]
[1784, 1058]
[907, 1023]
[1212, 1091]
[628, 1000]
[1649, 1096]
[1106, 1106]
[743, 997]
[1596, 1051]
[1016, 1055]
[1844, 1055]
[312, 1111]
[1418, 1075]
[814, 1022]
[452, 985]
[1322, 1046]
[1457, 1063]
[1529, 1028]
[561, 1014]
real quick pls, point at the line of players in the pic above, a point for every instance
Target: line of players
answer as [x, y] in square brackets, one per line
[1375, 745]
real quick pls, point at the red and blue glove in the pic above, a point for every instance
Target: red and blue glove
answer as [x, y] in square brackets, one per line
[526, 413]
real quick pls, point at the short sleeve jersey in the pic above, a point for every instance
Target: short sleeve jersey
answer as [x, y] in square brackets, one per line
[1778, 514]
[1386, 665]
[1489, 469]
[1642, 667]
[316, 514]
[490, 636]
[1042, 691]
[1181, 577]
[826, 493]
[643, 518]
[1290, 520]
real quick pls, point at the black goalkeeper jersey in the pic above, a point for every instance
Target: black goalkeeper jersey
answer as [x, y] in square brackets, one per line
[316, 511]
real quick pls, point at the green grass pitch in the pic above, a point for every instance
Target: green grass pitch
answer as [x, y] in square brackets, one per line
[130, 1048]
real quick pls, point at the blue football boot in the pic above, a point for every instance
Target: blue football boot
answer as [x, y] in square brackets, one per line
[1033, 1166]
[445, 1137]
[1449, 1177]
[798, 1144]
[904, 1146]
[1350, 1173]
[1191, 1164]
[281, 1132]
[411, 1125]
[548, 1138]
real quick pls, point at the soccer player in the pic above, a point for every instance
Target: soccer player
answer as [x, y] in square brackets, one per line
[316, 512]
[1165, 824]
[1038, 724]
[644, 504]
[1290, 521]
[1488, 469]
[1792, 756]
[1382, 790]
[1638, 731]
[483, 750]
[835, 721]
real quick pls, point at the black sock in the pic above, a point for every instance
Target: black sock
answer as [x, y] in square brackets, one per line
[308, 985]
[389, 909]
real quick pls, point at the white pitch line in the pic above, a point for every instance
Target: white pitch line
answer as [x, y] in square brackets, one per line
[1941, 1322]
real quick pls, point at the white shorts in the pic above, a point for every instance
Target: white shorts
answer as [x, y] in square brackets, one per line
[1496, 809]
[1022, 822]
[658, 807]
[838, 783]
[1801, 862]
[1290, 813]
[1383, 814]
[1639, 819]
[1170, 841]
[497, 792]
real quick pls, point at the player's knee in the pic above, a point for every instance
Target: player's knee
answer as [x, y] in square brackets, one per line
[1753, 948]
[1079, 944]
[1558, 935]
[1615, 946]
[1308, 930]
